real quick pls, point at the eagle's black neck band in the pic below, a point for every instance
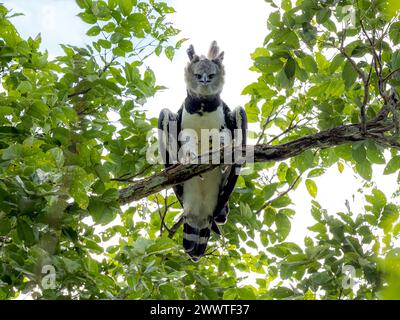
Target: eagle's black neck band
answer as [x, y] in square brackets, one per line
[201, 105]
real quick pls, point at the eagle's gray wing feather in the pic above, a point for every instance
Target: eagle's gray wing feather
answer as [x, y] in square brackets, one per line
[169, 125]
[235, 119]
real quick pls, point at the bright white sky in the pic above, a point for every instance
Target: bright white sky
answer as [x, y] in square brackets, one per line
[239, 27]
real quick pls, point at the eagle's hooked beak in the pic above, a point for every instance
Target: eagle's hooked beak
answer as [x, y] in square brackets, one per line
[205, 78]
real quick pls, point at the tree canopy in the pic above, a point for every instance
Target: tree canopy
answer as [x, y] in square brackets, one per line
[83, 215]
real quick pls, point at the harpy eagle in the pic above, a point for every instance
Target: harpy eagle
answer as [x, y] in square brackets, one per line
[204, 198]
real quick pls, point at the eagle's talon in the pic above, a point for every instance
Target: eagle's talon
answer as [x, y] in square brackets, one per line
[189, 157]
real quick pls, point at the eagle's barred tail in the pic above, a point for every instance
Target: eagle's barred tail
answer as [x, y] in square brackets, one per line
[195, 241]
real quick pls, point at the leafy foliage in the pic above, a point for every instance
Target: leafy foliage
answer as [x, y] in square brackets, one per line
[73, 130]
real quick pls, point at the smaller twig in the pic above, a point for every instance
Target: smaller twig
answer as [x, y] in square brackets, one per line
[375, 55]
[392, 104]
[353, 64]
[366, 99]
[107, 65]
[267, 121]
[385, 141]
[130, 178]
[290, 128]
[391, 74]
[105, 68]
[211, 253]
[175, 227]
[162, 216]
[268, 203]
[79, 93]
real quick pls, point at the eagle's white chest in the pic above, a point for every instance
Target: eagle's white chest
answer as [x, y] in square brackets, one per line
[200, 194]
[208, 120]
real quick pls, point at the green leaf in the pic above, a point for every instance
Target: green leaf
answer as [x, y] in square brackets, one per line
[290, 39]
[337, 62]
[364, 169]
[281, 172]
[321, 278]
[393, 165]
[291, 176]
[281, 202]
[269, 216]
[126, 45]
[252, 112]
[359, 153]
[109, 27]
[88, 17]
[24, 87]
[269, 191]
[125, 6]
[169, 52]
[245, 210]
[274, 19]
[5, 226]
[160, 246]
[246, 293]
[264, 238]
[317, 172]
[25, 232]
[378, 198]
[58, 156]
[286, 5]
[340, 166]
[283, 80]
[309, 64]
[290, 68]
[94, 31]
[78, 186]
[283, 226]
[318, 227]
[93, 246]
[268, 64]
[360, 50]
[110, 195]
[374, 154]
[304, 161]
[323, 15]
[395, 61]
[349, 75]
[139, 24]
[62, 135]
[230, 294]
[394, 33]
[104, 43]
[311, 188]
[281, 292]
[78, 192]
[12, 152]
[102, 213]
[38, 110]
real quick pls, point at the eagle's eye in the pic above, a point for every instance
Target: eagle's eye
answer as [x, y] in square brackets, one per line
[198, 76]
[210, 76]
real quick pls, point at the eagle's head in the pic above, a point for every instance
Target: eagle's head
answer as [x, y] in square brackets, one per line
[204, 76]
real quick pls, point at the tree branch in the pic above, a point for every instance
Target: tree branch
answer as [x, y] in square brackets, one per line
[179, 173]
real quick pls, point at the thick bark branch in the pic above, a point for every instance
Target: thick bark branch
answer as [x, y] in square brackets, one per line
[179, 173]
